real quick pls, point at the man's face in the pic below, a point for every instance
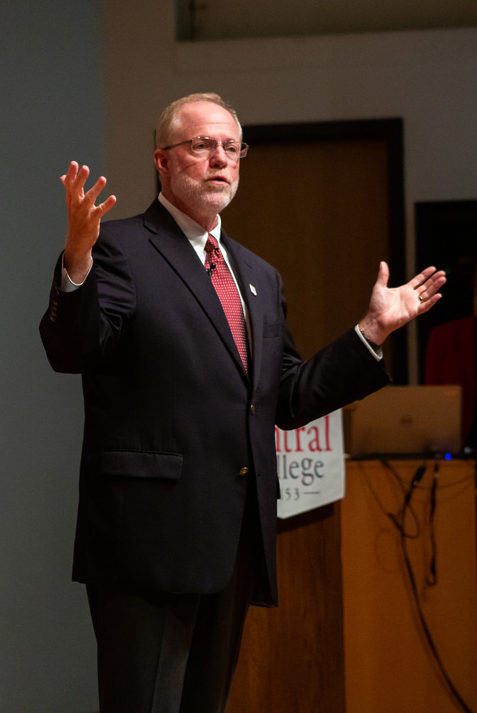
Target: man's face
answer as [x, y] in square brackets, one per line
[200, 186]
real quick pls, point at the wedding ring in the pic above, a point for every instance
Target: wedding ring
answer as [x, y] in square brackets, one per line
[421, 298]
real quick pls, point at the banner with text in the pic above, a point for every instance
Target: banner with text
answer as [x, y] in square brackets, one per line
[310, 463]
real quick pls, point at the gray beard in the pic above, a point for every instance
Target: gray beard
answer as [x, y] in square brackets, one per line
[199, 199]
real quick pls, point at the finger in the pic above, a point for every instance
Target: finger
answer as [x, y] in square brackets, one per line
[75, 180]
[73, 169]
[438, 277]
[432, 285]
[426, 304]
[107, 205]
[95, 190]
[422, 277]
[435, 282]
[81, 177]
[383, 274]
[71, 173]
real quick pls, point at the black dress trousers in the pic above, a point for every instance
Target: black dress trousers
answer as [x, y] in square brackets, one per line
[175, 653]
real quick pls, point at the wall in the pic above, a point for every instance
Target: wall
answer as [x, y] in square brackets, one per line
[51, 111]
[427, 77]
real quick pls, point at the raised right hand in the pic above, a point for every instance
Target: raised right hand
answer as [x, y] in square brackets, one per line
[84, 219]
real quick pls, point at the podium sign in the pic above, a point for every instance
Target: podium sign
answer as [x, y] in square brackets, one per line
[310, 465]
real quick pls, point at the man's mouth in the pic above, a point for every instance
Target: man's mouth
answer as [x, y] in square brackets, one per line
[218, 179]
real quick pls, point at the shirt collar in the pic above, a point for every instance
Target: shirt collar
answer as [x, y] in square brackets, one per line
[194, 232]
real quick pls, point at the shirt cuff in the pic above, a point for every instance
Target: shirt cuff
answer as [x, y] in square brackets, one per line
[67, 284]
[377, 352]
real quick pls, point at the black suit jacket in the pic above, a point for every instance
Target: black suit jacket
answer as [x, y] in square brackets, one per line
[174, 428]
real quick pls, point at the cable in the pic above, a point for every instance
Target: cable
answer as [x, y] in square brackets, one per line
[431, 577]
[393, 517]
[399, 522]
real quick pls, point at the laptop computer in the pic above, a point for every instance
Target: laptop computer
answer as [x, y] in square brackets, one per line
[398, 420]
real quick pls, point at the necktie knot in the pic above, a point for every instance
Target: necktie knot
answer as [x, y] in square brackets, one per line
[212, 247]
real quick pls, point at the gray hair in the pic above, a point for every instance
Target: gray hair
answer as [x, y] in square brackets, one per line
[169, 114]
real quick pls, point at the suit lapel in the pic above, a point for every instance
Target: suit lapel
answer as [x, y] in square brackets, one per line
[169, 240]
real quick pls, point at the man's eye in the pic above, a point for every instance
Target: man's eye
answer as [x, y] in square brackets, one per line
[231, 149]
[200, 145]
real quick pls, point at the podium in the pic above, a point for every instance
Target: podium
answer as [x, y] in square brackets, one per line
[346, 636]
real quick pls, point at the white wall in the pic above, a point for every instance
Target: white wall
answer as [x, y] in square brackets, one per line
[425, 77]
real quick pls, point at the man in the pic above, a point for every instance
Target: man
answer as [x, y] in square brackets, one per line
[187, 364]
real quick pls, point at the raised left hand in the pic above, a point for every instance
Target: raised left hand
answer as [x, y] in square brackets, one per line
[393, 307]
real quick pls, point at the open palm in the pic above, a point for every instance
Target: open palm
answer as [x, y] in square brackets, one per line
[393, 307]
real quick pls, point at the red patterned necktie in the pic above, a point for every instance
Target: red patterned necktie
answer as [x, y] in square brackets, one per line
[228, 294]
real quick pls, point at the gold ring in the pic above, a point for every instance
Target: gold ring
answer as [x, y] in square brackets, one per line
[421, 298]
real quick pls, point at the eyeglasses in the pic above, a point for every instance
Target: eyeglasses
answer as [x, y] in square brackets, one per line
[205, 145]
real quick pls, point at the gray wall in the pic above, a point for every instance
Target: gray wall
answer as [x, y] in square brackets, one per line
[52, 111]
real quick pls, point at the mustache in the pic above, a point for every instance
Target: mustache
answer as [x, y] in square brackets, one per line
[219, 177]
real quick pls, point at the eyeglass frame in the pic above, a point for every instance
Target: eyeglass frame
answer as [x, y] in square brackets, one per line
[216, 143]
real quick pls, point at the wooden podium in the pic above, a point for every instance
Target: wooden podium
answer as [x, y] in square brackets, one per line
[346, 636]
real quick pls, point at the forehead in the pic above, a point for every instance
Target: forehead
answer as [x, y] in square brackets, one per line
[204, 119]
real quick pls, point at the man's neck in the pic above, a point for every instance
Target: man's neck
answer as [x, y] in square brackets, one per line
[207, 221]
[188, 224]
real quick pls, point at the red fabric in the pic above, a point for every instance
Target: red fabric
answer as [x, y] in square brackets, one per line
[228, 294]
[451, 359]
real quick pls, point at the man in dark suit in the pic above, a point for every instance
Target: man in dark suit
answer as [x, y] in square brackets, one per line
[180, 336]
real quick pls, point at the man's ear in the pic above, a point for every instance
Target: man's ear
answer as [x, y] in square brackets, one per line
[161, 161]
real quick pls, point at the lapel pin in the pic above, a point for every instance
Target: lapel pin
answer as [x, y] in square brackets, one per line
[253, 289]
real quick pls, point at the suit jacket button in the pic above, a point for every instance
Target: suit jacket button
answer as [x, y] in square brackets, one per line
[252, 409]
[243, 471]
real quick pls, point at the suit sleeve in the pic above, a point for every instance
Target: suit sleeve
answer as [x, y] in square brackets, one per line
[81, 329]
[342, 372]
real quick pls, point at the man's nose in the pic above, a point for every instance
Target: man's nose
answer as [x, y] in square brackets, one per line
[218, 156]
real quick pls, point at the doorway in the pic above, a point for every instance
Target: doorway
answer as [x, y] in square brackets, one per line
[324, 204]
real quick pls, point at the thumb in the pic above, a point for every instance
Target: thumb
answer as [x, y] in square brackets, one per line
[383, 274]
